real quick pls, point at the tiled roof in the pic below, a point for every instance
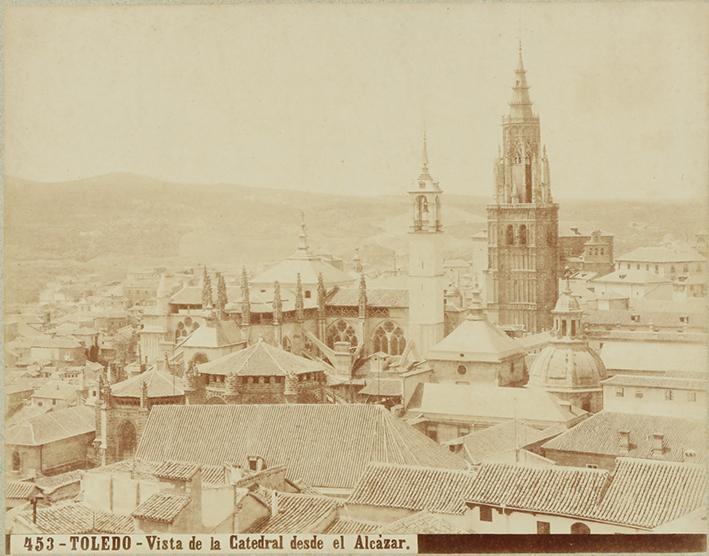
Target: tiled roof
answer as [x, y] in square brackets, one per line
[499, 438]
[297, 513]
[162, 507]
[55, 342]
[475, 340]
[261, 359]
[644, 318]
[19, 489]
[72, 518]
[599, 434]
[490, 401]
[661, 254]
[50, 484]
[217, 333]
[287, 270]
[423, 522]
[175, 471]
[556, 490]
[669, 382]
[383, 387]
[52, 426]
[56, 389]
[649, 493]
[324, 445]
[379, 297]
[348, 526]
[161, 384]
[413, 488]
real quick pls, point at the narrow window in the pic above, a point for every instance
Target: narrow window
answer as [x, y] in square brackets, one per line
[619, 392]
[692, 396]
[668, 395]
[543, 528]
[485, 513]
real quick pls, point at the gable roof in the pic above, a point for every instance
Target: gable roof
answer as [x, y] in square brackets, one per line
[324, 445]
[413, 488]
[490, 401]
[423, 522]
[599, 434]
[639, 493]
[52, 426]
[72, 518]
[349, 526]
[503, 437]
[261, 359]
[690, 357]
[161, 384]
[555, 490]
[308, 266]
[22, 490]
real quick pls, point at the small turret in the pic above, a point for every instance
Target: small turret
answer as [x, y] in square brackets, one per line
[299, 306]
[322, 294]
[277, 304]
[362, 302]
[222, 299]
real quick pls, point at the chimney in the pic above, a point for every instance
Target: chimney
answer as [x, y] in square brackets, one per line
[657, 444]
[274, 503]
[624, 442]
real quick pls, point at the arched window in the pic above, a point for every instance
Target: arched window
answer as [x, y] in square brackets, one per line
[550, 238]
[580, 529]
[510, 235]
[16, 461]
[340, 331]
[523, 235]
[389, 338]
[286, 343]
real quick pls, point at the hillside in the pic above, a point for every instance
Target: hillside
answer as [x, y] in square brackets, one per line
[113, 222]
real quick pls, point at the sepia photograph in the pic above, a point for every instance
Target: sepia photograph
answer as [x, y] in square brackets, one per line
[372, 277]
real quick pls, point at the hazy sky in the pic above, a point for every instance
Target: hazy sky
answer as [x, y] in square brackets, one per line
[334, 98]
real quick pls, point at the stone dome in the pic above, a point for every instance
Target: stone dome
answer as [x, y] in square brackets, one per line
[567, 303]
[567, 365]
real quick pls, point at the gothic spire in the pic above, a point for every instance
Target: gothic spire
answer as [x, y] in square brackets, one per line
[362, 302]
[299, 309]
[277, 303]
[322, 292]
[425, 180]
[222, 299]
[521, 105]
[245, 302]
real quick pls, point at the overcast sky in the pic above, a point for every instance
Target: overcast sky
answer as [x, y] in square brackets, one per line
[334, 98]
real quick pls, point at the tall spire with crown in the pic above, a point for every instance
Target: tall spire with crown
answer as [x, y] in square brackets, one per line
[521, 105]
[425, 180]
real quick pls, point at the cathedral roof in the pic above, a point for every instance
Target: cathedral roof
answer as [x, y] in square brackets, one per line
[161, 384]
[565, 365]
[475, 339]
[349, 297]
[260, 359]
[286, 271]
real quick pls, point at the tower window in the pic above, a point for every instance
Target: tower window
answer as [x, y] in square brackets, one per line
[523, 235]
[307, 294]
[510, 235]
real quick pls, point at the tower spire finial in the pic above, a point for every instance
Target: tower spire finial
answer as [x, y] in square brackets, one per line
[424, 153]
[303, 235]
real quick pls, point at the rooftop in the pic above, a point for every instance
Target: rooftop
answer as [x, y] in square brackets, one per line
[215, 333]
[161, 384]
[661, 254]
[490, 401]
[376, 297]
[297, 513]
[72, 518]
[324, 445]
[631, 276]
[260, 359]
[630, 356]
[57, 390]
[52, 427]
[475, 339]
[162, 507]
[599, 434]
[666, 382]
[413, 488]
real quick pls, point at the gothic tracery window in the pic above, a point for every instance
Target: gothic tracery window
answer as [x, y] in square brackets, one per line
[340, 331]
[389, 338]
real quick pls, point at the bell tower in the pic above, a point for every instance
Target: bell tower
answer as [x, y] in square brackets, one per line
[523, 221]
[426, 279]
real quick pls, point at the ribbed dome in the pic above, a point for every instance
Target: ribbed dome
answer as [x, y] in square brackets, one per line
[567, 365]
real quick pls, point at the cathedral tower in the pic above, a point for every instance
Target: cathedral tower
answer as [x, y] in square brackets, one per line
[426, 279]
[523, 221]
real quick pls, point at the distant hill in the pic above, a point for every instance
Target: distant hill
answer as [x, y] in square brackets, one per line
[108, 223]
